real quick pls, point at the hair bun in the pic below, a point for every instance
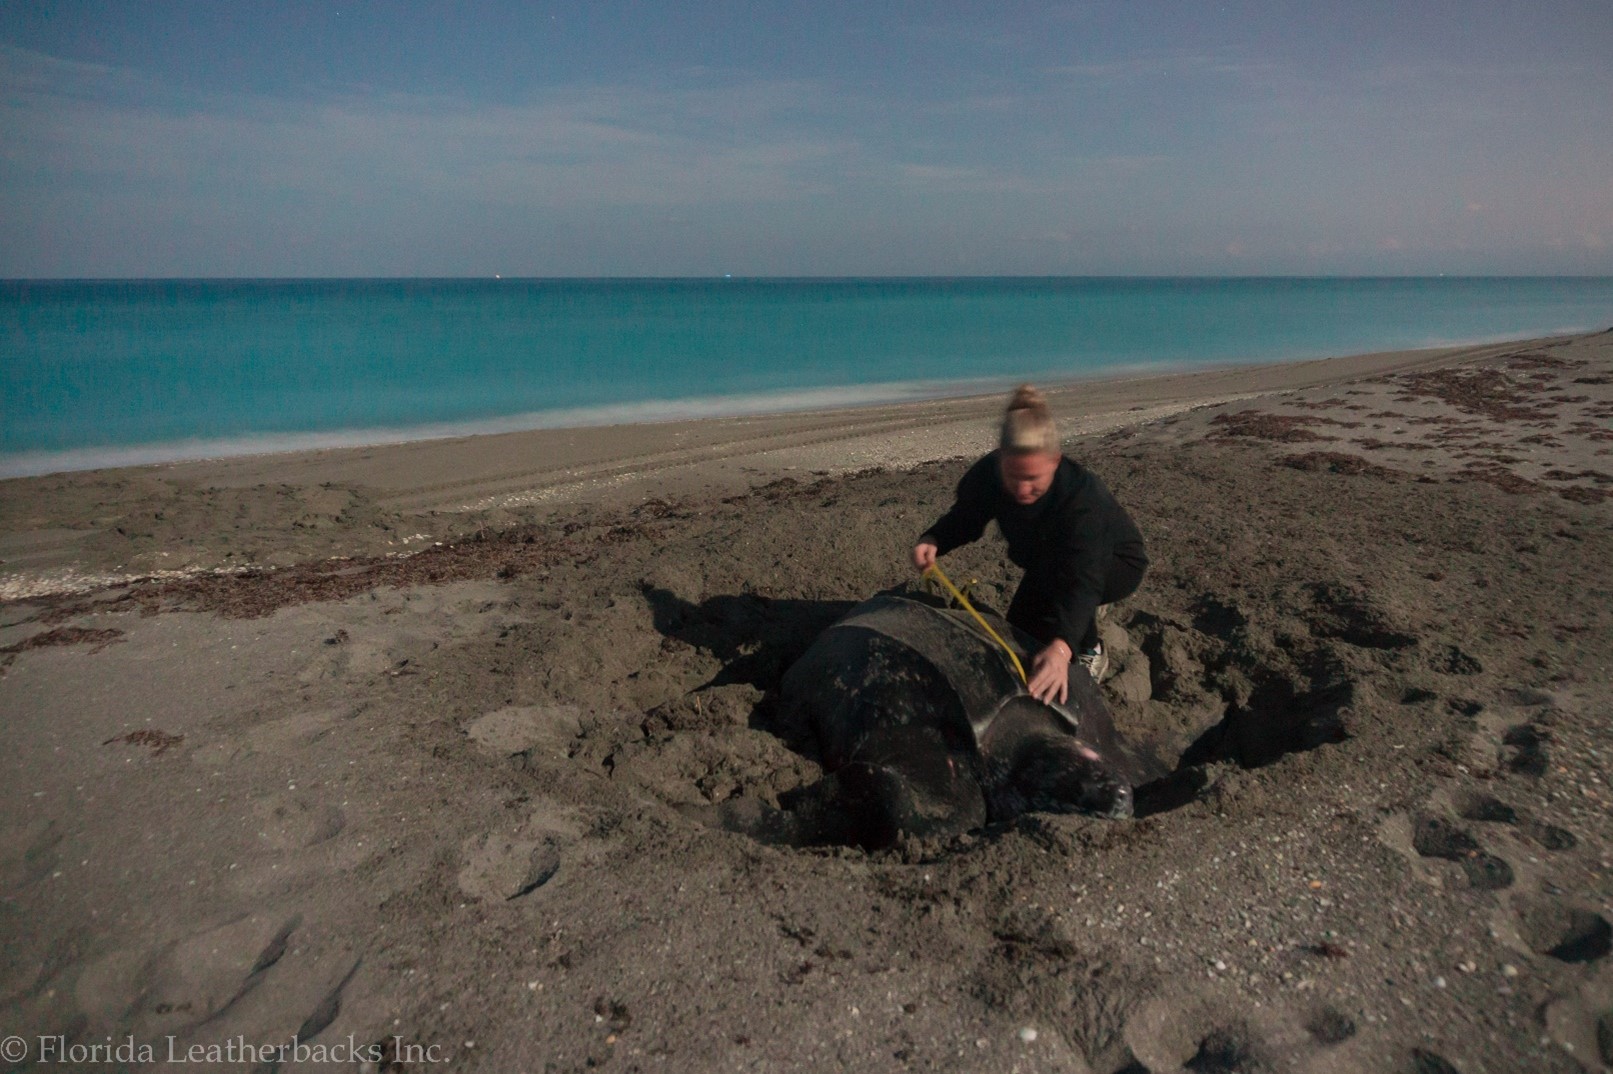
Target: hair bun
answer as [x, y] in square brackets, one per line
[1026, 397]
[1028, 424]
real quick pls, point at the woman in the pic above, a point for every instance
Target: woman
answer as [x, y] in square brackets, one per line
[1078, 547]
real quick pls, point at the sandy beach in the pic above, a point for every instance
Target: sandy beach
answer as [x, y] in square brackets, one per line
[383, 749]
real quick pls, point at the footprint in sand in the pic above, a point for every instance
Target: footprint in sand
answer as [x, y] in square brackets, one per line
[1037, 972]
[1580, 1019]
[186, 983]
[1120, 1024]
[522, 728]
[1524, 749]
[499, 868]
[262, 978]
[1208, 1036]
[1329, 1026]
[29, 855]
[1583, 1026]
[253, 738]
[1436, 837]
[287, 822]
[1562, 930]
[1423, 1061]
[1449, 660]
[1488, 809]
[1230, 1049]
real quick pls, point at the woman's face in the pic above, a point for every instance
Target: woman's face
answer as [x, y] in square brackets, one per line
[1028, 476]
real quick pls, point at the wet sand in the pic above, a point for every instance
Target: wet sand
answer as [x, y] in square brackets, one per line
[425, 797]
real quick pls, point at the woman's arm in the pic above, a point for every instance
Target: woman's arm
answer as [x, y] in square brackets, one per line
[967, 519]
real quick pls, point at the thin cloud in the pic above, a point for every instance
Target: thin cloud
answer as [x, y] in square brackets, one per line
[104, 169]
[1169, 64]
[584, 145]
[573, 148]
[23, 71]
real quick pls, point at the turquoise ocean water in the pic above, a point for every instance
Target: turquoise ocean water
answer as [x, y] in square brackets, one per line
[104, 372]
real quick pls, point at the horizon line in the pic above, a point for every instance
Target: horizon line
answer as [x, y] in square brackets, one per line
[496, 277]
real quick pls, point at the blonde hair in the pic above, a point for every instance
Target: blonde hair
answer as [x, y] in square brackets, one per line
[1028, 424]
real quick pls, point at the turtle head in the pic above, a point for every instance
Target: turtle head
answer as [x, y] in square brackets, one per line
[1064, 775]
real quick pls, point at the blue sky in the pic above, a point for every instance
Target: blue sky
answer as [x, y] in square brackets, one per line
[160, 138]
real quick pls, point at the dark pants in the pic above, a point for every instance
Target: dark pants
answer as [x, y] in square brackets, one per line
[1035, 611]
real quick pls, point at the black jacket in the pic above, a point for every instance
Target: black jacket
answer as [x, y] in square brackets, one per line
[1065, 541]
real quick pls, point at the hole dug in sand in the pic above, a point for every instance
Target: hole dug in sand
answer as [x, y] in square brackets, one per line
[1225, 687]
[1186, 692]
[1227, 679]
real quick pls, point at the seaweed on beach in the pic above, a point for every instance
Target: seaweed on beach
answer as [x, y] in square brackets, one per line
[485, 553]
[1595, 476]
[1581, 494]
[255, 593]
[1594, 493]
[1534, 360]
[1372, 443]
[99, 638]
[1261, 425]
[785, 489]
[1338, 462]
[1489, 393]
[1591, 431]
[159, 742]
[1493, 473]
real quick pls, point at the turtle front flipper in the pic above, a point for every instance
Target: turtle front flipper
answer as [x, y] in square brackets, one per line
[863, 804]
[819, 814]
[887, 804]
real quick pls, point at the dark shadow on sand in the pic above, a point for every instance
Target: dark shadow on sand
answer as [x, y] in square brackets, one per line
[756, 638]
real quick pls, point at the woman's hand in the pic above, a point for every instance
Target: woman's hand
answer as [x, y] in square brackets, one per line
[1050, 673]
[924, 555]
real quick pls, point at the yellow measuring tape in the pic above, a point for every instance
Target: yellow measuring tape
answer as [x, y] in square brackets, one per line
[957, 594]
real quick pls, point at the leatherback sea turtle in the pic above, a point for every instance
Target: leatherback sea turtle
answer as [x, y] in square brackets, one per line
[926, 730]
